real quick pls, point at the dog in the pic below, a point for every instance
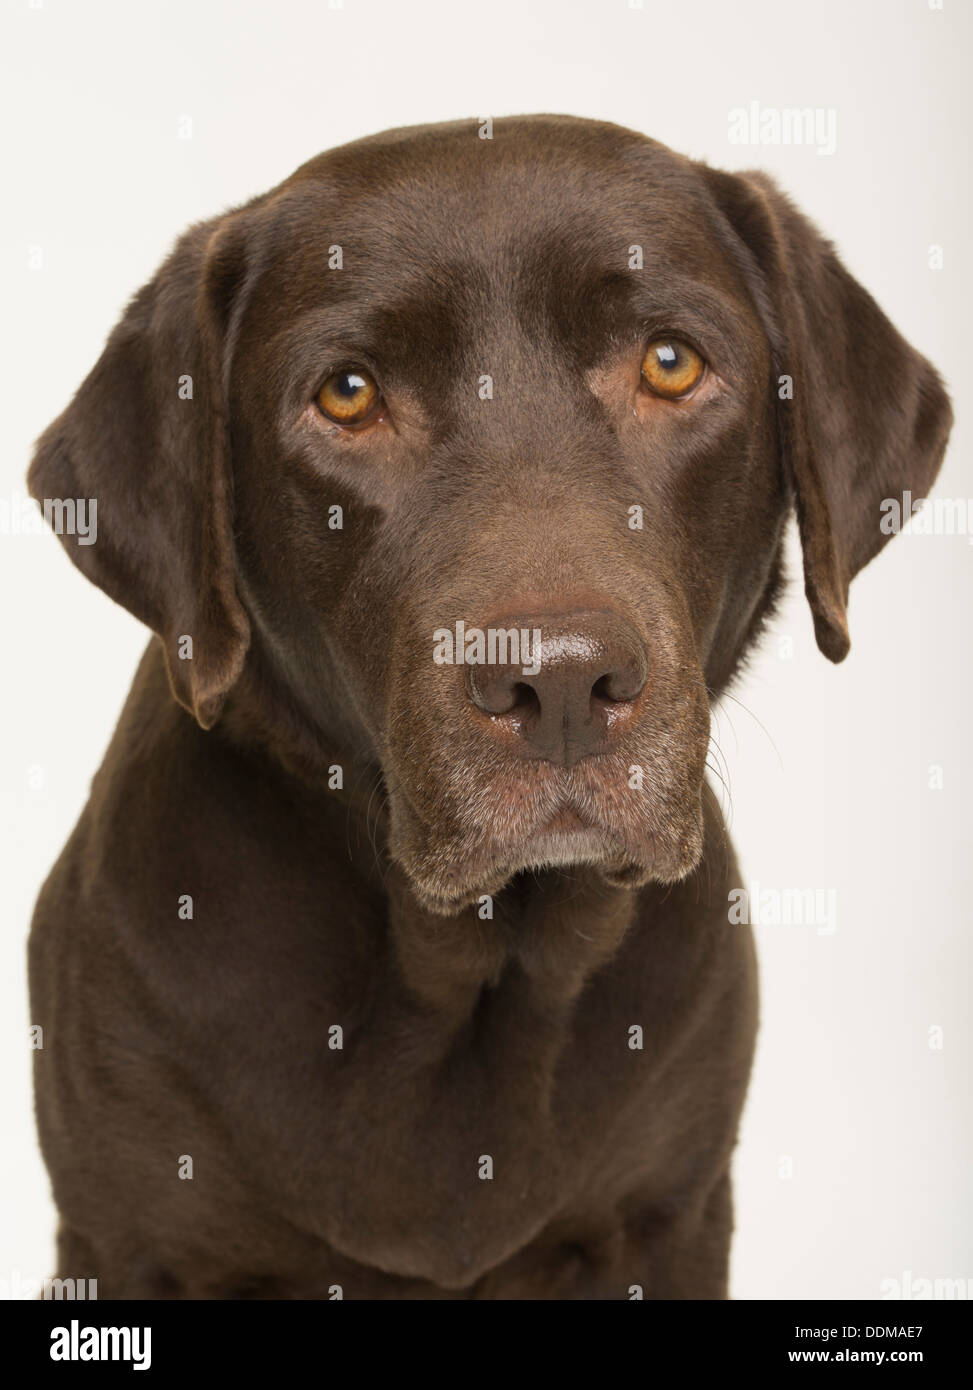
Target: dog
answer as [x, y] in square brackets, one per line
[390, 957]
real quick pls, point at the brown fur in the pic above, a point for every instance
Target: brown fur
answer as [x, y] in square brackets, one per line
[359, 1167]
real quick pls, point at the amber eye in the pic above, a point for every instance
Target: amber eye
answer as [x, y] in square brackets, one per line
[349, 397]
[672, 368]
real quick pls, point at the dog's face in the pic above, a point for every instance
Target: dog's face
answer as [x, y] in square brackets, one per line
[525, 435]
[559, 387]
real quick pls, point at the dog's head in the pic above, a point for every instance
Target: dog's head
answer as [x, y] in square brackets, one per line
[481, 450]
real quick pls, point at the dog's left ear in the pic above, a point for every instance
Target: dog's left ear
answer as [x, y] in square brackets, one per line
[146, 441]
[866, 417]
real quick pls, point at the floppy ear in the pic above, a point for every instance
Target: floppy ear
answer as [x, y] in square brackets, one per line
[145, 443]
[869, 418]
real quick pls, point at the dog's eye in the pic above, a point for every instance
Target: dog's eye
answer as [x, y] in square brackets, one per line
[349, 397]
[672, 368]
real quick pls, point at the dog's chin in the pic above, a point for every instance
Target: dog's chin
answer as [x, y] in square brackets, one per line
[448, 888]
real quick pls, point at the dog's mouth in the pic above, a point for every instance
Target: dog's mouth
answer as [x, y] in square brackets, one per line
[561, 820]
[566, 838]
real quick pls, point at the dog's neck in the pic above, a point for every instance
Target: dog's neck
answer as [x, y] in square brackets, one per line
[549, 933]
[549, 930]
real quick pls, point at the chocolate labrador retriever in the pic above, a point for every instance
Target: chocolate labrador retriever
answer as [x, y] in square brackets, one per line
[391, 957]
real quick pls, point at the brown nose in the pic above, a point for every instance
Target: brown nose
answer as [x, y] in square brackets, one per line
[563, 695]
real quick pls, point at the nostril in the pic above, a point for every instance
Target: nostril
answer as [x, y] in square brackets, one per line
[619, 686]
[501, 694]
[600, 689]
[522, 709]
[526, 699]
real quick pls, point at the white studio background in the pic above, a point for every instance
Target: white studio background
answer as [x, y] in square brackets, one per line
[855, 1155]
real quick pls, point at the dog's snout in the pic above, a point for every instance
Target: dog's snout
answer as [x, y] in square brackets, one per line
[574, 678]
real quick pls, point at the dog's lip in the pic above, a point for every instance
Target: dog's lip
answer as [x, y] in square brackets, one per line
[569, 835]
[564, 838]
[565, 821]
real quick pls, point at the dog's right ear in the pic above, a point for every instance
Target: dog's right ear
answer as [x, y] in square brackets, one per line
[145, 444]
